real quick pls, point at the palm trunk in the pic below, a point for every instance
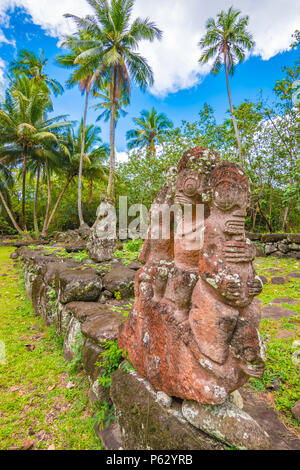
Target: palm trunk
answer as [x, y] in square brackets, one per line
[23, 193]
[10, 215]
[35, 222]
[237, 134]
[110, 186]
[58, 201]
[44, 231]
[81, 220]
[152, 147]
[90, 192]
[286, 211]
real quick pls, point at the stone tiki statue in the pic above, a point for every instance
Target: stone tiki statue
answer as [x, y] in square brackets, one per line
[193, 331]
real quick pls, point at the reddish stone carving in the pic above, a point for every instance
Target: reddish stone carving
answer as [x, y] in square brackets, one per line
[193, 330]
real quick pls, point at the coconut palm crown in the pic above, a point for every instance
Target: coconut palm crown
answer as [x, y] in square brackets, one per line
[226, 41]
[153, 128]
[114, 48]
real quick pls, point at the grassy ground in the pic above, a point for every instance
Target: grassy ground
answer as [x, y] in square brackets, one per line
[39, 400]
[281, 381]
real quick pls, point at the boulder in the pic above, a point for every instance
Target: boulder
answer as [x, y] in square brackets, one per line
[253, 236]
[102, 327]
[291, 247]
[84, 231]
[14, 255]
[278, 280]
[72, 339]
[296, 410]
[269, 249]
[276, 312]
[259, 250]
[120, 279]
[100, 324]
[78, 284]
[294, 254]
[274, 237]
[145, 423]
[100, 249]
[294, 237]
[283, 247]
[228, 423]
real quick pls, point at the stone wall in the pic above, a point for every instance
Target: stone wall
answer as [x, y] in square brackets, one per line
[78, 299]
[282, 245]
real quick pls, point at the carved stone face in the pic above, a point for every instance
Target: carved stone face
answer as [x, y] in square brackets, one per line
[189, 187]
[230, 197]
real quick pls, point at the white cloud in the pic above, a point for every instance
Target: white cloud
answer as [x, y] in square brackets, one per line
[2, 79]
[4, 40]
[121, 157]
[174, 59]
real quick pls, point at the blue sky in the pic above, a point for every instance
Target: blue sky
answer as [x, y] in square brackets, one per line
[179, 96]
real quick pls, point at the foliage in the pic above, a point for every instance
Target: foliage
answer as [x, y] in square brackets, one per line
[123, 309]
[130, 251]
[109, 361]
[76, 364]
[104, 415]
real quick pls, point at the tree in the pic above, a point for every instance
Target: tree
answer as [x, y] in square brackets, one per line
[23, 129]
[153, 129]
[94, 155]
[114, 47]
[105, 105]
[33, 66]
[82, 75]
[227, 40]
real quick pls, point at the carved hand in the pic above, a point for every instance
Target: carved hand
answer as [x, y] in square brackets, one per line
[232, 289]
[254, 286]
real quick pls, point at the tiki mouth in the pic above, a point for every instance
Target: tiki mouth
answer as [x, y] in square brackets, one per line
[235, 226]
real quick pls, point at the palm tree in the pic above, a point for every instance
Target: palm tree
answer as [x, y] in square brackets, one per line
[82, 75]
[153, 129]
[113, 49]
[23, 129]
[94, 155]
[227, 40]
[105, 105]
[33, 66]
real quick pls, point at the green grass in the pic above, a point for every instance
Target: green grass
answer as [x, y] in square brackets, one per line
[34, 401]
[280, 368]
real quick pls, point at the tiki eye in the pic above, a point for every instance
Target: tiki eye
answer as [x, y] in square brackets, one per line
[190, 187]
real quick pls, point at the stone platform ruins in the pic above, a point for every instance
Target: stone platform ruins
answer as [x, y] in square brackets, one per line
[192, 335]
